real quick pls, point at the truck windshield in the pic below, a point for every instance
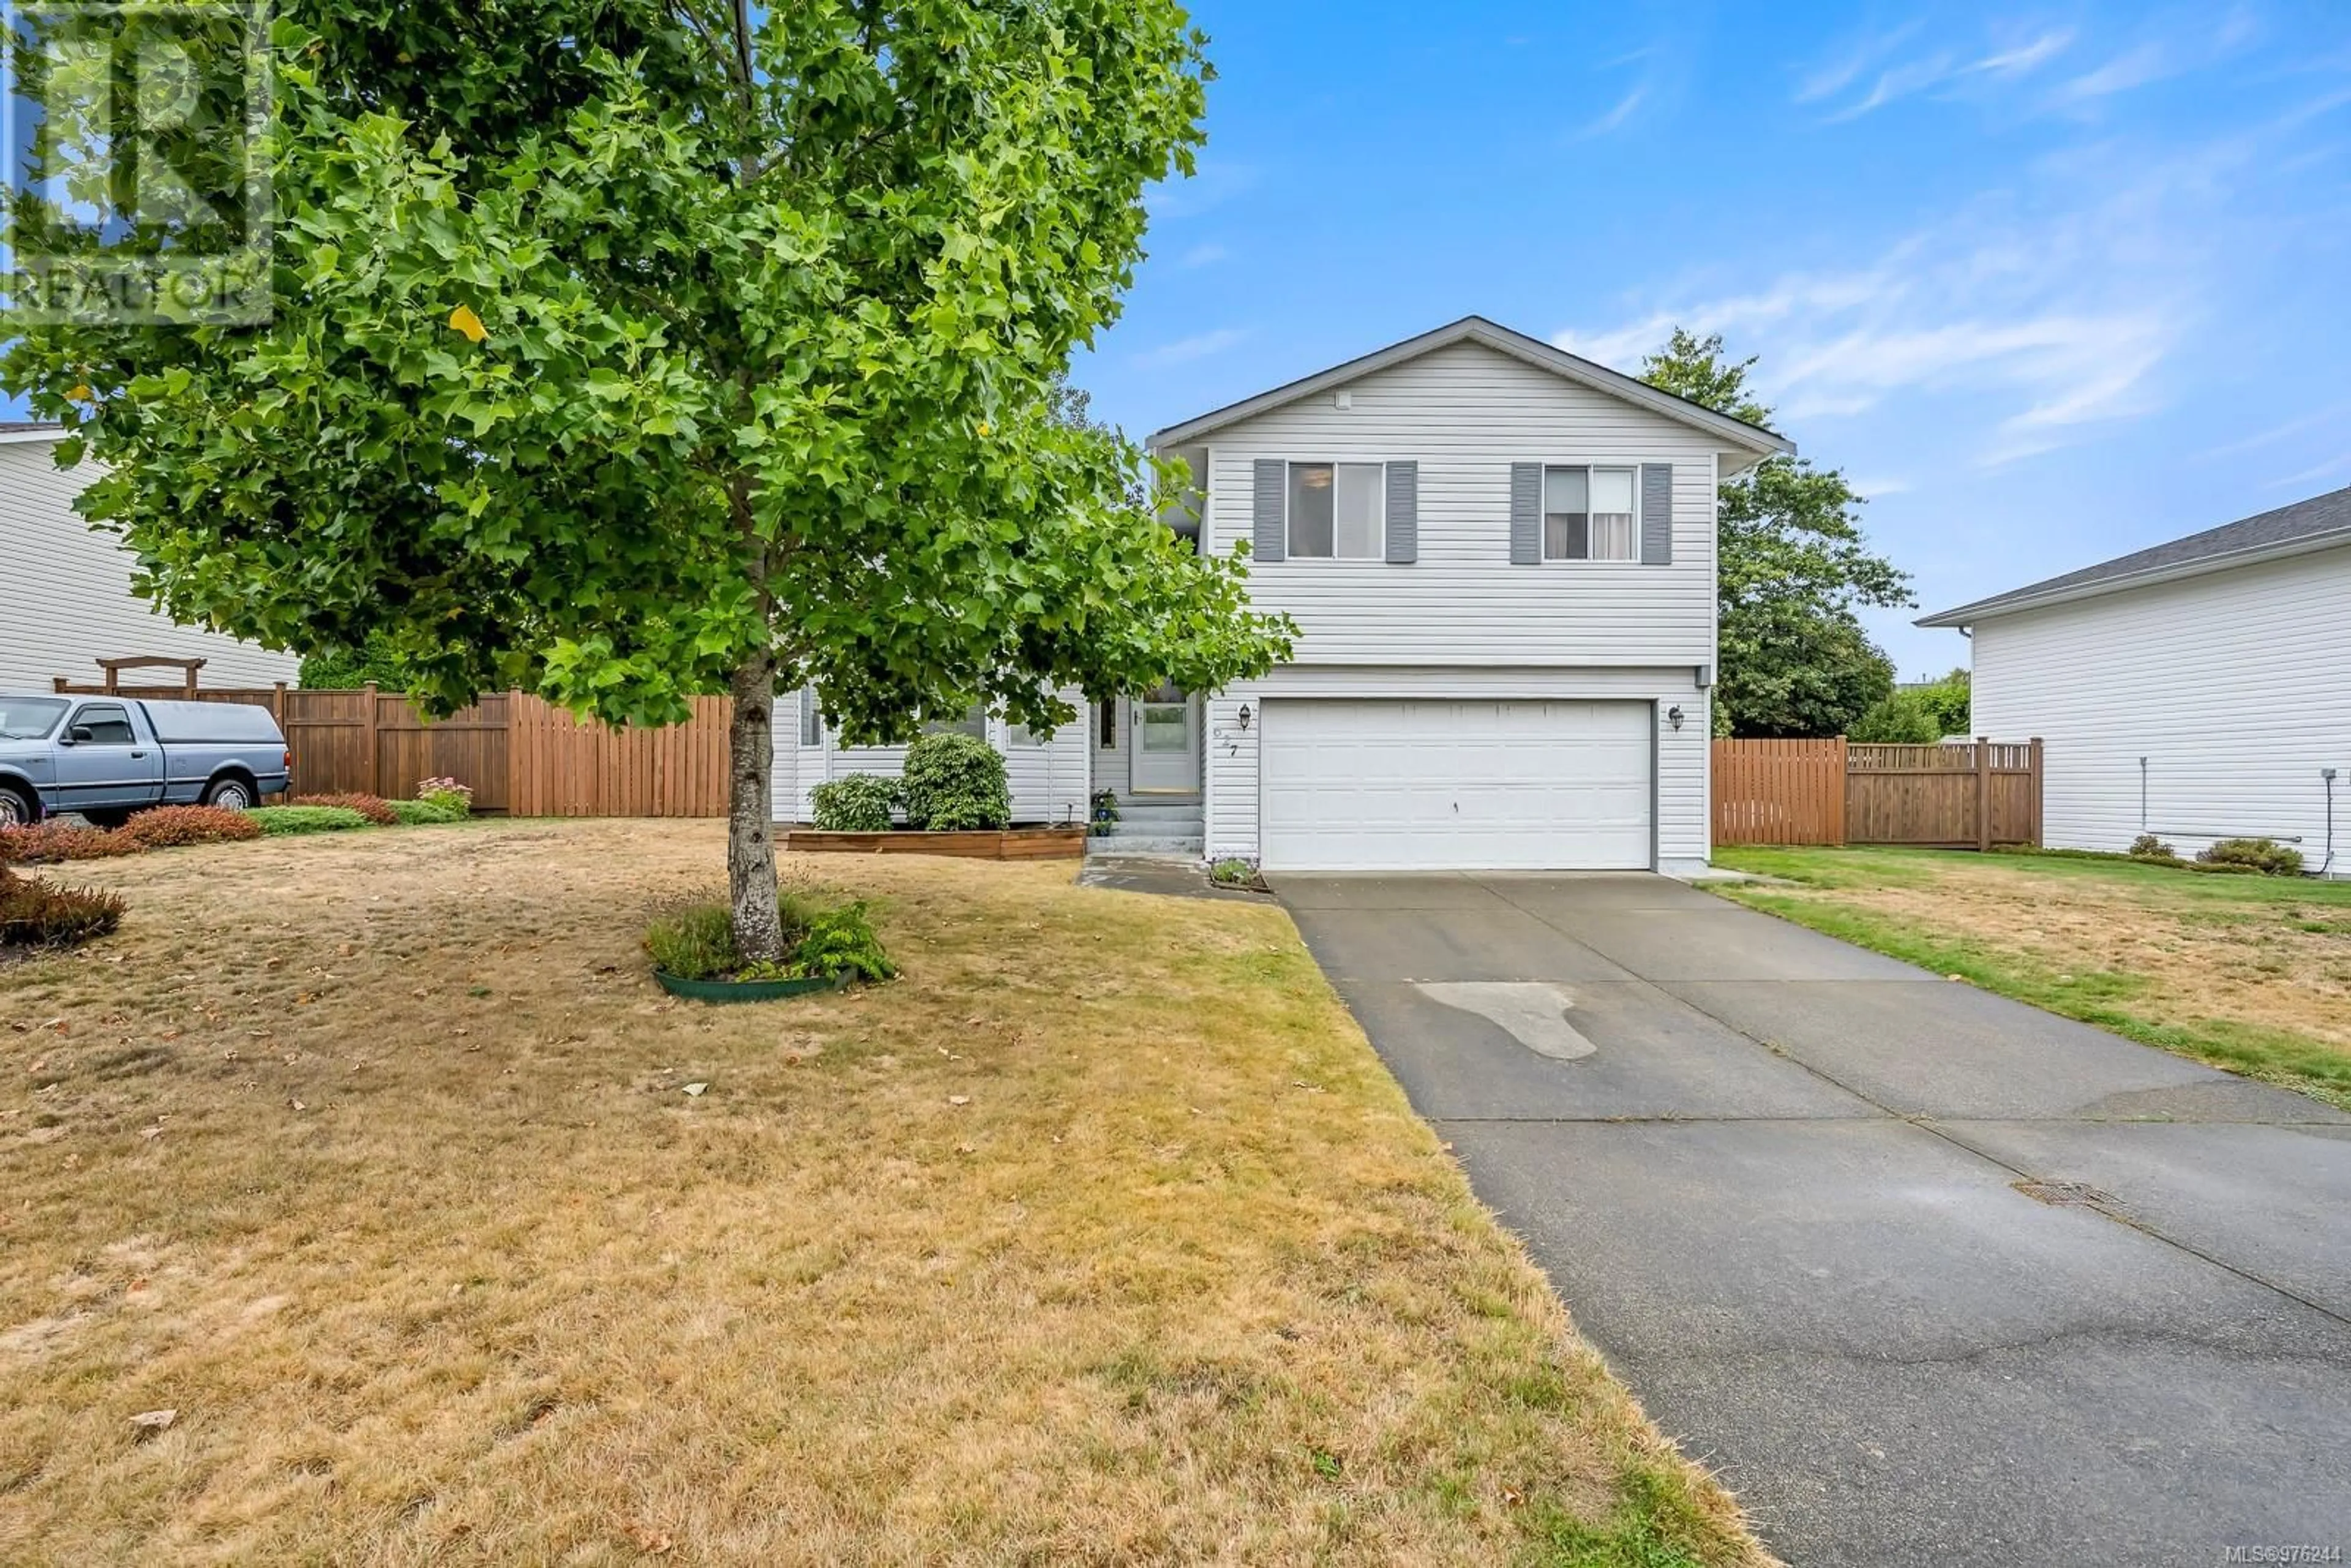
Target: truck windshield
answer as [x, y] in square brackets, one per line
[28, 718]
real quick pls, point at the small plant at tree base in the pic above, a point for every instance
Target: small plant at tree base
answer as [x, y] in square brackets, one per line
[1105, 812]
[694, 942]
[33, 914]
[448, 792]
[2267, 856]
[954, 782]
[374, 808]
[1233, 873]
[841, 940]
[2147, 847]
[46, 844]
[168, 827]
[856, 803]
[419, 814]
[278, 821]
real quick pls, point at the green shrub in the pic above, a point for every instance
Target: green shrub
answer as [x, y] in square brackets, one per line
[1898, 718]
[955, 783]
[448, 792]
[858, 803]
[33, 914]
[2147, 847]
[46, 844]
[1233, 873]
[277, 820]
[841, 940]
[374, 808]
[419, 814]
[694, 941]
[1104, 813]
[168, 827]
[2267, 856]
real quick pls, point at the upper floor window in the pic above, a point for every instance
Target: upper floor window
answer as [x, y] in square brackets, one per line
[1590, 513]
[1338, 510]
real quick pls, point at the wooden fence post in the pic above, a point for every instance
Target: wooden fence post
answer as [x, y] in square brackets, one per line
[374, 749]
[2036, 794]
[1983, 794]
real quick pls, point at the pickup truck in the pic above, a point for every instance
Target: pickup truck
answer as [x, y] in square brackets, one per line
[108, 757]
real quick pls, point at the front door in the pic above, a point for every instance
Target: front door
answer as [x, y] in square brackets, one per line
[106, 764]
[1166, 755]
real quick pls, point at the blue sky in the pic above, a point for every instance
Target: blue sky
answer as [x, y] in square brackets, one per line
[2048, 282]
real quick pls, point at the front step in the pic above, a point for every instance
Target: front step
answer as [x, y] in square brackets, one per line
[1155, 845]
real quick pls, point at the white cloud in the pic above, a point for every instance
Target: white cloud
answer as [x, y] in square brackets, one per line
[2025, 56]
[1846, 67]
[2332, 468]
[2147, 63]
[2031, 325]
[1618, 115]
[2332, 413]
[1199, 346]
[1871, 489]
[1206, 255]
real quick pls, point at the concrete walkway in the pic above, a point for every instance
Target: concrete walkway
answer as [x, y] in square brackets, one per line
[1928, 1275]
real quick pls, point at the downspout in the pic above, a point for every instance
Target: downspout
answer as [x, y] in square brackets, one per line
[2325, 865]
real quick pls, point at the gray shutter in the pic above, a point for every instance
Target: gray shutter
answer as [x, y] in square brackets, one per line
[1404, 513]
[1268, 541]
[1656, 514]
[1526, 514]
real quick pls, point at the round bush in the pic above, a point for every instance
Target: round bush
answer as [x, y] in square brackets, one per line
[858, 803]
[168, 827]
[955, 783]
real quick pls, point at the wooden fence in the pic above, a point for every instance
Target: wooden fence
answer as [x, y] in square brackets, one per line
[519, 754]
[1965, 796]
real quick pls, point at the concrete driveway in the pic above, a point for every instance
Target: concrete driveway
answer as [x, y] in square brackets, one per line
[1926, 1275]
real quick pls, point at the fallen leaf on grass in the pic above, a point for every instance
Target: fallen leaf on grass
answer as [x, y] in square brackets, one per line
[697, 1089]
[958, 1098]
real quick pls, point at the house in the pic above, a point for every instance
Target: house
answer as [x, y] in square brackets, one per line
[64, 592]
[2197, 690]
[1501, 561]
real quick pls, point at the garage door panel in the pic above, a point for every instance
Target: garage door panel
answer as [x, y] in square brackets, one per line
[1375, 785]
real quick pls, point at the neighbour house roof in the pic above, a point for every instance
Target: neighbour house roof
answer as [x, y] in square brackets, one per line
[1738, 433]
[30, 430]
[2315, 524]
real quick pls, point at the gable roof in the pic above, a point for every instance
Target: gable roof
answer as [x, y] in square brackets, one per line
[2314, 524]
[1736, 432]
[30, 430]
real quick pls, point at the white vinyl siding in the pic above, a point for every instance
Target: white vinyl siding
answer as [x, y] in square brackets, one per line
[2234, 686]
[1466, 413]
[1385, 785]
[1049, 776]
[64, 592]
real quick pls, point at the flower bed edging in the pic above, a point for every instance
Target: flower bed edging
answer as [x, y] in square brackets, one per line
[745, 990]
[1004, 844]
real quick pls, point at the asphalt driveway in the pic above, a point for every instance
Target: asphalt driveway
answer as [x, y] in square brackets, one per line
[1926, 1274]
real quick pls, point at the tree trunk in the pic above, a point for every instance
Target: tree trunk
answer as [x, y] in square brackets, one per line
[751, 839]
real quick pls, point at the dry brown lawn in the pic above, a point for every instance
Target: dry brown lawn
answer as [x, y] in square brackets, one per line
[1100, 1237]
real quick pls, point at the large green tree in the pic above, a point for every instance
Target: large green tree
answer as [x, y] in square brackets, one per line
[626, 349]
[1794, 569]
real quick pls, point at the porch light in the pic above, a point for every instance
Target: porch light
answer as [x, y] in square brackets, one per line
[1673, 716]
[1243, 717]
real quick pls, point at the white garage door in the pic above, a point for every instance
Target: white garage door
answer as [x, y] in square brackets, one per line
[1470, 786]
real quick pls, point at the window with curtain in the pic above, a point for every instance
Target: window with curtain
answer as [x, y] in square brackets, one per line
[1338, 511]
[811, 720]
[1589, 514]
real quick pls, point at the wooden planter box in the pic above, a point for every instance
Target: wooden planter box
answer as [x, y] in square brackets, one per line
[1007, 845]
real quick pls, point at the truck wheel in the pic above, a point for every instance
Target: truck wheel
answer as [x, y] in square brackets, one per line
[16, 808]
[229, 794]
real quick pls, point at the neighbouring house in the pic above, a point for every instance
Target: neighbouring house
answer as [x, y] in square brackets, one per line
[1501, 559]
[2197, 690]
[65, 590]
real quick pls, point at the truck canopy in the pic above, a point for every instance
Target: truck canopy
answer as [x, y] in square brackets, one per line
[233, 723]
